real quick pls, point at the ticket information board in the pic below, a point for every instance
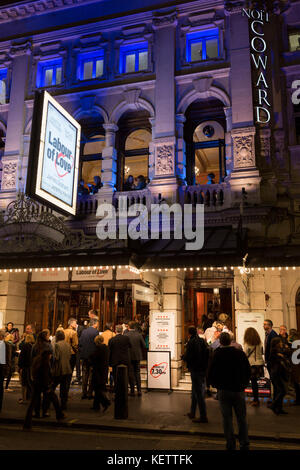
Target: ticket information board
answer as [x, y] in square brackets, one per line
[162, 332]
[54, 155]
[159, 370]
[246, 320]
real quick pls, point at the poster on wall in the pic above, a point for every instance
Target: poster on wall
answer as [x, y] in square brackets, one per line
[92, 274]
[159, 370]
[54, 155]
[162, 332]
[247, 320]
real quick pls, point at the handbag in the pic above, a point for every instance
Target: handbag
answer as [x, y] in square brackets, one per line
[256, 370]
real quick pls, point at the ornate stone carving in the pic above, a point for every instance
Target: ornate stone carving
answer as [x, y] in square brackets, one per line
[20, 49]
[164, 164]
[280, 152]
[232, 7]
[202, 84]
[165, 20]
[132, 96]
[265, 147]
[243, 147]
[9, 175]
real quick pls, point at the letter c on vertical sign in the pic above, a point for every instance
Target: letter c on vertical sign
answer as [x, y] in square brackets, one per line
[252, 27]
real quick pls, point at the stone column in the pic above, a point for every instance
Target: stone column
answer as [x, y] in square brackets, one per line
[109, 165]
[11, 160]
[164, 142]
[244, 172]
[180, 154]
[13, 293]
[228, 142]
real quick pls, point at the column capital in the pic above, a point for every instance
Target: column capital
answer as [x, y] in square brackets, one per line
[18, 50]
[233, 7]
[110, 127]
[180, 118]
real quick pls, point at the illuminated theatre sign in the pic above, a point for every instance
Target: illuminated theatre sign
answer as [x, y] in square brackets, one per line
[258, 18]
[54, 155]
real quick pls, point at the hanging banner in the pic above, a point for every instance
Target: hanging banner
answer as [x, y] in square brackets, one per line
[159, 370]
[162, 332]
[49, 276]
[142, 293]
[247, 320]
[92, 274]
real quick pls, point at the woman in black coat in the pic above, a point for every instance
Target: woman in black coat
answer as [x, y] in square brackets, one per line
[280, 368]
[99, 362]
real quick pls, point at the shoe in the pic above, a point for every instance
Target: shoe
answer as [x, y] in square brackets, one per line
[9, 390]
[275, 411]
[208, 393]
[139, 394]
[84, 397]
[200, 420]
[190, 415]
[62, 416]
[255, 403]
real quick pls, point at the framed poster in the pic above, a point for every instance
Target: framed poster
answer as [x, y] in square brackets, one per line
[245, 320]
[54, 155]
[162, 332]
[159, 370]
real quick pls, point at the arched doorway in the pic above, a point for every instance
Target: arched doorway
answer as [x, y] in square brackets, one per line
[298, 309]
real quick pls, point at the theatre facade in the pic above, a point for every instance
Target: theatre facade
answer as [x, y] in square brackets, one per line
[200, 99]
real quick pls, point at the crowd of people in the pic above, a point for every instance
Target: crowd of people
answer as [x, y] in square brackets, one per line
[215, 359]
[84, 189]
[132, 183]
[46, 362]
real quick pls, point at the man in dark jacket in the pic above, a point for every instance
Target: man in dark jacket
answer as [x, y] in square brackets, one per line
[230, 372]
[119, 347]
[86, 348]
[270, 334]
[196, 357]
[136, 355]
[99, 362]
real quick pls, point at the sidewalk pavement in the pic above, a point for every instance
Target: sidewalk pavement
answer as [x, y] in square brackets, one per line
[159, 412]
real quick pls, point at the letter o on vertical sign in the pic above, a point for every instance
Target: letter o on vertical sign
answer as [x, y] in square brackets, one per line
[263, 42]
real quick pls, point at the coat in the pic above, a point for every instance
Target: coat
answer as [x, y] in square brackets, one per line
[137, 345]
[196, 355]
[86, 342]
[62, 356]
[254, 354]
[119, 347]
[267, 351]
[229, 369]
[107, 335]
[71, 338]
[99, 361]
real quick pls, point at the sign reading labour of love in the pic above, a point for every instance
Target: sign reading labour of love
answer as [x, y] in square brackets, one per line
[54, 155]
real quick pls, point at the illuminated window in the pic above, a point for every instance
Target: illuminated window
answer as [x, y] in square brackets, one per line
[202, 45]
[49, 73]
[294, 41]
[91, 162]
[134, 58]
[3, 85]
[90, 65]
[136, 160]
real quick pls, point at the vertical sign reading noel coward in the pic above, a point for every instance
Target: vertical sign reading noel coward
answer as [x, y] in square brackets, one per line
[162, 332]
[57, 167]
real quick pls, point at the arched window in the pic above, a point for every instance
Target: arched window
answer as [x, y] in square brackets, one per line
[136, 155]
[132, 142]
[92, 144]
[208, 139]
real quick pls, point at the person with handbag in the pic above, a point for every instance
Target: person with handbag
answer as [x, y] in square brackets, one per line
[253, 349]
[61, 370]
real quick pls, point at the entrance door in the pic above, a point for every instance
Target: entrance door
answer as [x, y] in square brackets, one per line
[298, 309]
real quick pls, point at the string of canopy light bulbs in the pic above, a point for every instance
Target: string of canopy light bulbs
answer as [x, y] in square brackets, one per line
[137, 271]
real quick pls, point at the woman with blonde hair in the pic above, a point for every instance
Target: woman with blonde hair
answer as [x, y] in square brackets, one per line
[253, 349]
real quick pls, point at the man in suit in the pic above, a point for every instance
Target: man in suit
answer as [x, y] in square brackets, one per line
[86, 348]
[136, 355]
[270, 334]
[119, 347]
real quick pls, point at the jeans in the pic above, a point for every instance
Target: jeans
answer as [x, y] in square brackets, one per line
[235, 400]
[63, 381]
[134, 375]
[1, 384]
[86, 378]
[78, 367]
[198, 394]
[72, 364]
[279, 392]
[254, 388]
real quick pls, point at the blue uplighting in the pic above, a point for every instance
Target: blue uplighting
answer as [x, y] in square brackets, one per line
[138, 53]
[90, 65]
[49, 73]
[205, 40]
